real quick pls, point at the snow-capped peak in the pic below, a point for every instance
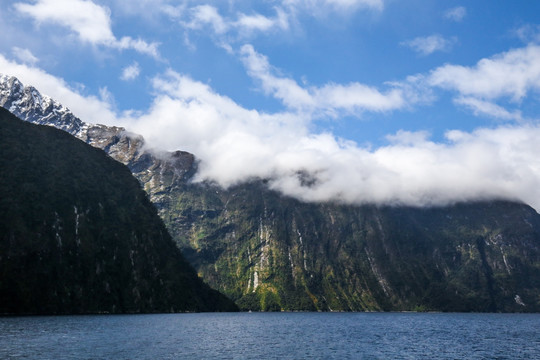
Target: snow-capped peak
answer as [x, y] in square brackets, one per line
[29, 104]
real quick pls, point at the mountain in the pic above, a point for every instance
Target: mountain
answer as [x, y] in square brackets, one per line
[269, 252]
[79, 235]
[151, 167]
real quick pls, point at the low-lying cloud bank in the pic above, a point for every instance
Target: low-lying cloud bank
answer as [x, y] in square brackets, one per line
[235, 144]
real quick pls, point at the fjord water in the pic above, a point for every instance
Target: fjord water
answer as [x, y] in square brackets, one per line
[273, 336]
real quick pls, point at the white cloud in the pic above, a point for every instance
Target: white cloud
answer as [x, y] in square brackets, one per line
[24, 55]
[244, 25]
[106, 96]
[507, 78]
[528, 33]
[138, 45]
[236, 144]
[207, 15]
[249, 23]
[408, 138]
[330, 99]
[287, 90]
[91, 23]
[429, 44]
[149, 9]
[511, 74]
[323, 6]
[230, 139]
[456, 14]
[487, 108]
[131, 72]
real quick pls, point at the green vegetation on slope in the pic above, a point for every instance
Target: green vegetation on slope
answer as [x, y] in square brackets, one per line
[270, 252]
[79, 235]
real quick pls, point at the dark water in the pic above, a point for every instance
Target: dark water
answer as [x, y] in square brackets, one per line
[273, 336]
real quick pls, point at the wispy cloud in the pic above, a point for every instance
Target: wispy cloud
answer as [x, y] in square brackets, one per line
[131, 72]
[512, 74]
[203, 16]
[24, 55]
[91, 23]
[330, 99]
[319, 7]
[231, 27]
[528, 33]
[456, 14]
[258, 22]
[495, 87]
[487, 108]
[430, 44]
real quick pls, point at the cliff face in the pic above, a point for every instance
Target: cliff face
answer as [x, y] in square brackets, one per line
[271, 252]
[79, 235]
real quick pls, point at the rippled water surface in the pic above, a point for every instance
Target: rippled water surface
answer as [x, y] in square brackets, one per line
[273, 336]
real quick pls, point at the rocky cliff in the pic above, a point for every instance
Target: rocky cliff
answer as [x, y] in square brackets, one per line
[270, 252]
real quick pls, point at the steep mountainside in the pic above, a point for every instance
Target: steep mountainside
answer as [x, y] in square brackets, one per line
[271, 252]
[79, 235]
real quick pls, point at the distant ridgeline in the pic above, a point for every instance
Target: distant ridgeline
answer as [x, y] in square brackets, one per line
[79, 235]
[271, 252]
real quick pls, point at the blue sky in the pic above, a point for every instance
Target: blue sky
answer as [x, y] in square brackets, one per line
[412, 102]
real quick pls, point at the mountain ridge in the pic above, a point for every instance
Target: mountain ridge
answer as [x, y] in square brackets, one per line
[27, 103]
[268, 251]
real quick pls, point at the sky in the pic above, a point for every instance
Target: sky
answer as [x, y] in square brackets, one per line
[411, 102]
